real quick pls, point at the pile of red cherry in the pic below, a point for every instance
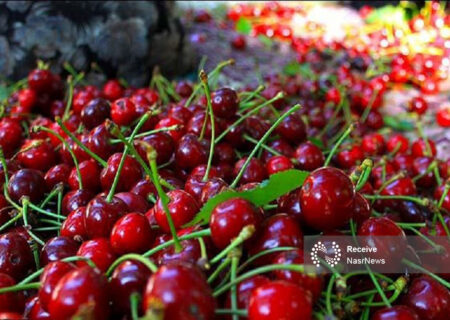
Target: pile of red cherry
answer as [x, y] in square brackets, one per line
[99, 185]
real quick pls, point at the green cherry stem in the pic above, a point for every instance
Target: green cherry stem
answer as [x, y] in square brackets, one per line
[444, 194]
[252, 94]
[234, 265]
[218, 270]
[431, 274]
[4, 165]
[132, 256]
[338, 143]
[245, 234]
[21, 287]
[419, 201]
[237, 312]
[147, 133]
[263, 253]
[261, 141]
[135, 298]
[204, 80]
[70, 83]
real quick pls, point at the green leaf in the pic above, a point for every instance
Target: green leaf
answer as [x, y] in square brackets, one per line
[268, 191]
[317, 142]
[244, 26]
[398, 124]
[265, 41]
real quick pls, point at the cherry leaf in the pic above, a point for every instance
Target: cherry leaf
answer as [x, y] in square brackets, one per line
[269, 190]
[244, 26]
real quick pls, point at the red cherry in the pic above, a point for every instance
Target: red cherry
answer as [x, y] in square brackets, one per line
[224, 102]
[428, 298]
[17, 259]
[373, 144]
[10, 301]
[73, 226]
[101, 215]
[404, 162]
[254, 172]
[256, 127]
[182, 291]
[131, 234]
[278, 164]
[402, 186]
[279, 300]
[443, 117]
[195, 125]
[438, 194]
[95, 112]
[99, 251]
[27, 182]
[349, 157]
[229, 218]
[99, 142]
[27, 98]
[397, 142]
[112, 90]
[163, 145]
[123, 111]
[134, 201]
[130, 174]
[292, 128]
[395, 313]
[419, 148]
[309, 156]
[190, 152]
[184, 89]
[361, 209]
[90, 176]
[420, 167]
[238, 42]
[76, 199]
[418, 105]
[52, 273]
[80, 100]
[128, 277]
[169, 122]
[81, 291]
[11, 316]
[326, 199]
[182, 207]
[58, 248]
[34, 310]
[40, 80]
[57, 174]
[333, 95]
[10, 135]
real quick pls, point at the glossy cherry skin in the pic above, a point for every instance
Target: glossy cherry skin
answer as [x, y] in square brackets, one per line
[443, 117]
[256, 126]
[131, 234]
[27, 98]
[112, 90]
[213, 187]
[326, 199]
[229, 218]
[190, 152]
[16, 258]
[95, 112]
[349, 157]
[11, 315]
[420, 168]
[279, 300]
[402, 186]
[194, 186]
[182, 292]
[244, 290]
[361, 208]
[395, 313]
[10, 301]
[397, 142]
[419, 148]
[40, 80]
[428, 298]
[254, 172]
[224, 102]
[276, 231]
[27, 182]
[290, 204]
[58, 248]
[99, 142]
[73, 226]
[123, 111]
[313, 284]
[134, 201]
[418, 105]
[90, 176]
[438, 194]
[182, 207]
[293, 129]
[76, 199]
[163, 145]
[278, 164]
[309, 157]
[57, 174]
[99, 250]
[34, 310]
[128, 277]
[373, 144]
[52, 273]
[404, 162]
[130, 174]
[37, 154]
[76, 291]
[101, 215]
[169, 122]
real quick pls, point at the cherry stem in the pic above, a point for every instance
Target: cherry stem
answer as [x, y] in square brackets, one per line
[444, 193]
[147, 133]
[4, 165]
[241, 119]
[132, 256]
[263, 253]
[261, 141]
[21, 287]
[433, 165]
[422, 202]
[234, 312]
[193, 235]
[203, 261]
[245, 234]
[423, 270]
[365, 171]
[338, 143]
[332, 118]
[134, 305]
[234, 305]
[204, 79]
[50, 214]
[218, 270]
[328, 294]
[25, 203]
[102, 162]
[252, 94]
[398, 286]
[124, 154]
[369, 106]
[268, 268]
[151, 155]
[70, 82]
[55, 191]
[428, 152]
[69, 149]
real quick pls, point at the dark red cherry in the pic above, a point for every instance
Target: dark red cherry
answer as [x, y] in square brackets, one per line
[162, 143]
[333, 95]
[276, 231]
[420, 148]
[182, 292]
[79, 153]
[99, 250]
[224, 102]
[10, 135]
[80, 291]
[326, 199]
[90, 176]
[184, 89]
[27, 182]
[428, 298]
[190, 152]
[123, 111]
[10, 301]
[361, 209]
[398, 143]
[27, 98]
[95, 112]
[420, 168]
[350, 156]
[254, 172]
[182, 207]
[309, 157]
[134, 201]
[195, 125]
[58, 248]
[402, 186]
[128, 277]
[37, 154]
[40, 80]
[57, 174]
[73, 226]
[290, 204]
[16, 258]
[404, 162]
[293, 129]
[101, 215]
[80, 100]
[245, 289]
[52, 273]
[395, 313]
[438, 194]
[144, 188]
[131, 234]
[418, 105]
[278, 164]
[229, 218]
[279, 145]
[99, 142]
[11, 315]
[213, 187]
[224, 153]
[76, 199]
[238, 42]
[279, 300]
[180, 112]
[313, 284]
[373, 144]
[175, 134]
[256, 127]
[112, 90]
[34, 311]
[130, 174]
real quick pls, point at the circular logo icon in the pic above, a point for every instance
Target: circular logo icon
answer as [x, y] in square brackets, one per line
[331, 253]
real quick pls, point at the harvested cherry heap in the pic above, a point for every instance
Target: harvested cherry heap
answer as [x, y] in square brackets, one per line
[125, 202]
